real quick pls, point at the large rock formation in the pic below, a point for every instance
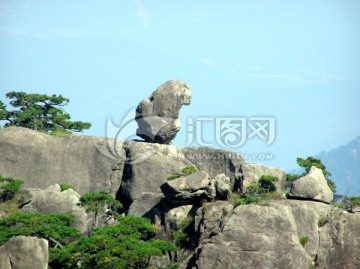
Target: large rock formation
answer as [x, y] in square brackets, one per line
[264, 235]
[53, 200]
[22, 252]
[158, 115]
[251, 173]
[312, 186]
[43, 160]
[144, 178]
[198, 209]
[340, 241]
[188, 189]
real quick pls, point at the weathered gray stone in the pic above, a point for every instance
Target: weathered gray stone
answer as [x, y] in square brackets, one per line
[264, 235]
[43, 160]
[158, 115]
[23, 252]
[312, 186]
[308, 217]
[160, 161]
[187, 189]
[216, 161]
[151, 164]
[143, 205]
[176, 215]
[340, 242]
[251, 173]
[210, 218]
[222, 185]
[53, 200]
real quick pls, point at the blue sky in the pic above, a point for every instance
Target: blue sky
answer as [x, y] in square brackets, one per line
[296, 61]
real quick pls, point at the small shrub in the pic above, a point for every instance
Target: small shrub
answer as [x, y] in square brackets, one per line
[349, 202]
[10, 188]
[173, 176]
[224, 212]
[290, 178]
[100, 202]
[266, 183]
[188, 170]
[186, 222]
[323, 220]
[247, 199]
[65, 187]
[303, 240]
[179, 236]
[253, 189]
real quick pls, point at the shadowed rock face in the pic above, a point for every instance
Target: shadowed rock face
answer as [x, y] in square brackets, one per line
[158, 115]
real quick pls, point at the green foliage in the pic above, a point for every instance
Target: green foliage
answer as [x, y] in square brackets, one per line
[128, 244]
[53, 227]
[290, 178]
[179, 236]
[186, 222]
[323, 220]
[100, 203]
[247, 199]
[264, 189]
[173, 176]
[266, 183]
[331, 184]
[189, 170]
[303, 240]
[40, 112]
[253, 189]
[65, 187]
[10, 188]
[349, 202]
[307, 163]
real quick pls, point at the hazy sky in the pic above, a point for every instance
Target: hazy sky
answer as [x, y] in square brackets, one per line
[295, 61]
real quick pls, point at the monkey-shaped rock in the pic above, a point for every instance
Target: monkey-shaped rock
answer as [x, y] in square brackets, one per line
[158, 115]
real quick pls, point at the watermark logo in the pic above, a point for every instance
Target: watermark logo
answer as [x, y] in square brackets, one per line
[232, 132]
[227, 132]
[127, 130]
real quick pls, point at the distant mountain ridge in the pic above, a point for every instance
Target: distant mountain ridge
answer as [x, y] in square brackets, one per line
[344, 165]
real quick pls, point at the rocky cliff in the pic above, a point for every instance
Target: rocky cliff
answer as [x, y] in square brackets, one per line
[205, 200]
[266, 234]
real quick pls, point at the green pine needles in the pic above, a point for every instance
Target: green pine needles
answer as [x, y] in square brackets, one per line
[40, 112]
